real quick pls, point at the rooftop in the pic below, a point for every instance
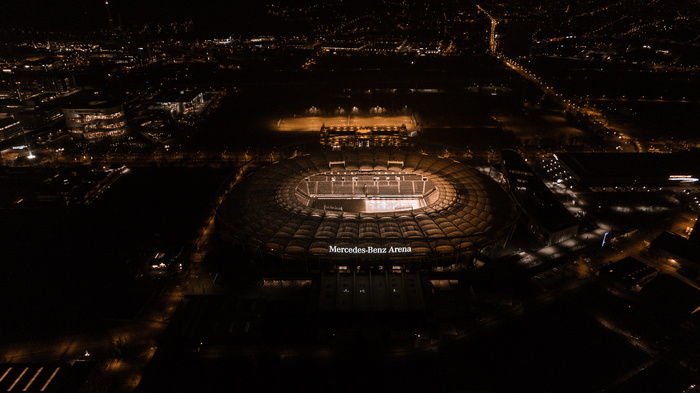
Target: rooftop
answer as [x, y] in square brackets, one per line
[176, 96]
[534, 196]
[628, 271]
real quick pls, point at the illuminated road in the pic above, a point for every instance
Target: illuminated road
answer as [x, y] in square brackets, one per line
[596, 118]
[623, 99]
[593, 115]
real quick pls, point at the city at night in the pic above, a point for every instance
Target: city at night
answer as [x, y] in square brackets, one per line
[350, 196]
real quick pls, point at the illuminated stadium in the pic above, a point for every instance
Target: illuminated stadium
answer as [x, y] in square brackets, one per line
[365, 207]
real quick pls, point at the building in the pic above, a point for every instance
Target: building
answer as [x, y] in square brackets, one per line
[363, 136]
[340, 46]
[35, 111]
[685, 252]
[671, 299]
[24, 83]
[117, 59]
[695, 233]
[385, 291]
[633, 171]
[178, 103]
[96, 119]
[546, 216]
[366, 208]
[10, 128]
[43, 64]
[627, 274]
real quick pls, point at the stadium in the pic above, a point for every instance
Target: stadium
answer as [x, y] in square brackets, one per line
[367, 206]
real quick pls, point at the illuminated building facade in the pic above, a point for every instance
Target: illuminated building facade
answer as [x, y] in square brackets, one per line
[96, 119]
[178, 103]
[9, 128]
[359, 136]
[24, 83]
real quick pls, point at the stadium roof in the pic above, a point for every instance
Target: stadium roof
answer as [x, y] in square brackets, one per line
[267, 212]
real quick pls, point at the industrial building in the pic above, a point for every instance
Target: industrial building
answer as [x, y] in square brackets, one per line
[633, 171]
[10, 128]
[545, 215]
[178, 103]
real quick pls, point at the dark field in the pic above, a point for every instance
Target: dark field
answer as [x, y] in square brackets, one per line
[66, 268]
[550, 350]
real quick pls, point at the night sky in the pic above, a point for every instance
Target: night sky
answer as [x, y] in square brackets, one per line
[210, 17]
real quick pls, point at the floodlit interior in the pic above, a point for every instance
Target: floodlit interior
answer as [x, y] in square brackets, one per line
[371, 198]
[367, 192]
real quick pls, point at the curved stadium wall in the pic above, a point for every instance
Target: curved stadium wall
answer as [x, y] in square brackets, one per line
[366, 206]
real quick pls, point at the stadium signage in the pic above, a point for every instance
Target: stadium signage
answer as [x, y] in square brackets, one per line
[368, 250]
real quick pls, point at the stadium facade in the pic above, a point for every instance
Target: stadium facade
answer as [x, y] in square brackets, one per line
[366, 207]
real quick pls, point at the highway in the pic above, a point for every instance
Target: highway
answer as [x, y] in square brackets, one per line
[579, 107]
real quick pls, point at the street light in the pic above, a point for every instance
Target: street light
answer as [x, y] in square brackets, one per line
[26, 142]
